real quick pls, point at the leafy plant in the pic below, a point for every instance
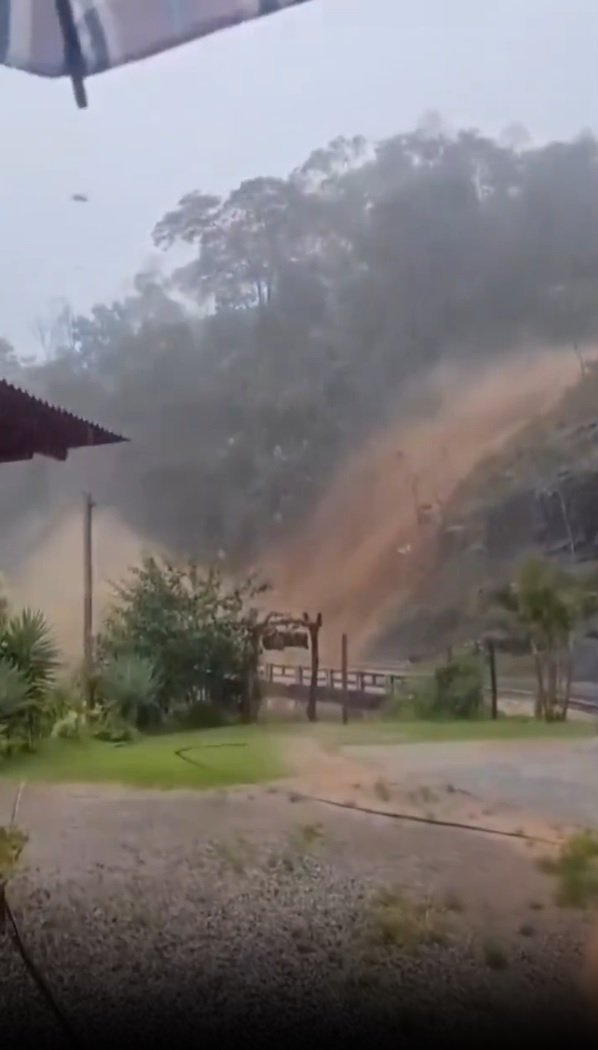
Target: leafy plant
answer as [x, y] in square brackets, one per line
[73, 725]
[194, 630]
[16, 706]
[459, 688]
[130, 687]
[28, 664]
[26, 642]
[545, 606]
[454, 690]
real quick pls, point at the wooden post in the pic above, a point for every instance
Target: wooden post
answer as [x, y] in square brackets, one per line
[314, 634]
[344, 666]
[493, 685]
[88, 593]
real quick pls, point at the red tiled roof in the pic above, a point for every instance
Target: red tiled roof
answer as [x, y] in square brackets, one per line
[32, 427]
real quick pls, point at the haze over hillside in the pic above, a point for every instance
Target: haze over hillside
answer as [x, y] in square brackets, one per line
[332, 336]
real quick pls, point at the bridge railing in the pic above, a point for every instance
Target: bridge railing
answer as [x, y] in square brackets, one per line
[371, 682]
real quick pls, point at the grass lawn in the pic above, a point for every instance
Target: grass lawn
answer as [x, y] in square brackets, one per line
[407, 732]
[152, 761]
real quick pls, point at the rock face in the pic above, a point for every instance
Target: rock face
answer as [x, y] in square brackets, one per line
[557, 518]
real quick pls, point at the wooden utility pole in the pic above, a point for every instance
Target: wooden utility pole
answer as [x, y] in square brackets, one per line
[313, 627]
[344, 670]
[493, 686]
[88, 592]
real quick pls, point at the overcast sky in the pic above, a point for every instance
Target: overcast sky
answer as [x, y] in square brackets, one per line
[256, 100]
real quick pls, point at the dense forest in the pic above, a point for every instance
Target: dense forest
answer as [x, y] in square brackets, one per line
[247, 374]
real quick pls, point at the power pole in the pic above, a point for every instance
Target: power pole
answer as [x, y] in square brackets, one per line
[88, 506]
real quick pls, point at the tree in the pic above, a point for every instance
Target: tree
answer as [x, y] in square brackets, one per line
[195, 631]
[247, 376]
[547, 606]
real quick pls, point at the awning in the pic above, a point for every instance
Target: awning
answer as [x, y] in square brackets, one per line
[31, 427]
[80, 38]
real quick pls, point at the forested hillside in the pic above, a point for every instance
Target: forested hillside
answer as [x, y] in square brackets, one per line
[247, 375]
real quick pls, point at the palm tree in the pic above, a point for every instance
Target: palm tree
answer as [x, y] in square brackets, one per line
[546, 606]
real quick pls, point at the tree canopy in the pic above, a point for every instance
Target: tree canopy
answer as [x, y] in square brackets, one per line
[247, 374]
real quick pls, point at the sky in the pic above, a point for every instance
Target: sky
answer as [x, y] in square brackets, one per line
[256, 100]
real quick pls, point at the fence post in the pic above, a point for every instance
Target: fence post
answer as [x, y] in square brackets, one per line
[493, 683]
[344, 665]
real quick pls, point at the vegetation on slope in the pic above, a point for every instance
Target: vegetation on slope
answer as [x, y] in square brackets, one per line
[247, 375]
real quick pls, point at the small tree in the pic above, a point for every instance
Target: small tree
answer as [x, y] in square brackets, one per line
[546, 607]
[196, 631]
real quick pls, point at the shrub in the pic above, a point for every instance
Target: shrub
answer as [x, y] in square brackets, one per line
[28, 664]
[129, 687]
[415, 700]
[193, 629]
[459, 688]
[26, 643]
[73, 725]
[15, 709]
[455, 690]
[201, 715]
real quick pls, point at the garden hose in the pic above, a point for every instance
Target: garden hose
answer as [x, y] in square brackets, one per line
[183, 752]
[432, 821]
[480, 829]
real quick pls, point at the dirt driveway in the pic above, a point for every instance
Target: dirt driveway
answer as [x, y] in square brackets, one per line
[193, 910]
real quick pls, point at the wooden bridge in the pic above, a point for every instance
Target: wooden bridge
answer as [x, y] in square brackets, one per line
[365, 687]
[368, 687]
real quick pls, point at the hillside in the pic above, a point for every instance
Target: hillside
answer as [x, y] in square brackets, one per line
[370, 306]
[537, 494]
[414, 516]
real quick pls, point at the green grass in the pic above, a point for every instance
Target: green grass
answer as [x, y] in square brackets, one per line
[152, 762]
[411, 732]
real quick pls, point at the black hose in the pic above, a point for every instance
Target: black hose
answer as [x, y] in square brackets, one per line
[183, 752]
[432, 821]
[411, 817]
[479, 828]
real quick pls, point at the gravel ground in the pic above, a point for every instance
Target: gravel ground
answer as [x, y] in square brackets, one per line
[180, 914]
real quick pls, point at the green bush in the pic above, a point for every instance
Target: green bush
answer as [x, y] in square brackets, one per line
[15, 709]
[455, 690]
[26, 642]
[201, 715]
[194, 630]
[129, 687]
[459, 687]
[28, 665]
[72, 725]
[414, 700]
